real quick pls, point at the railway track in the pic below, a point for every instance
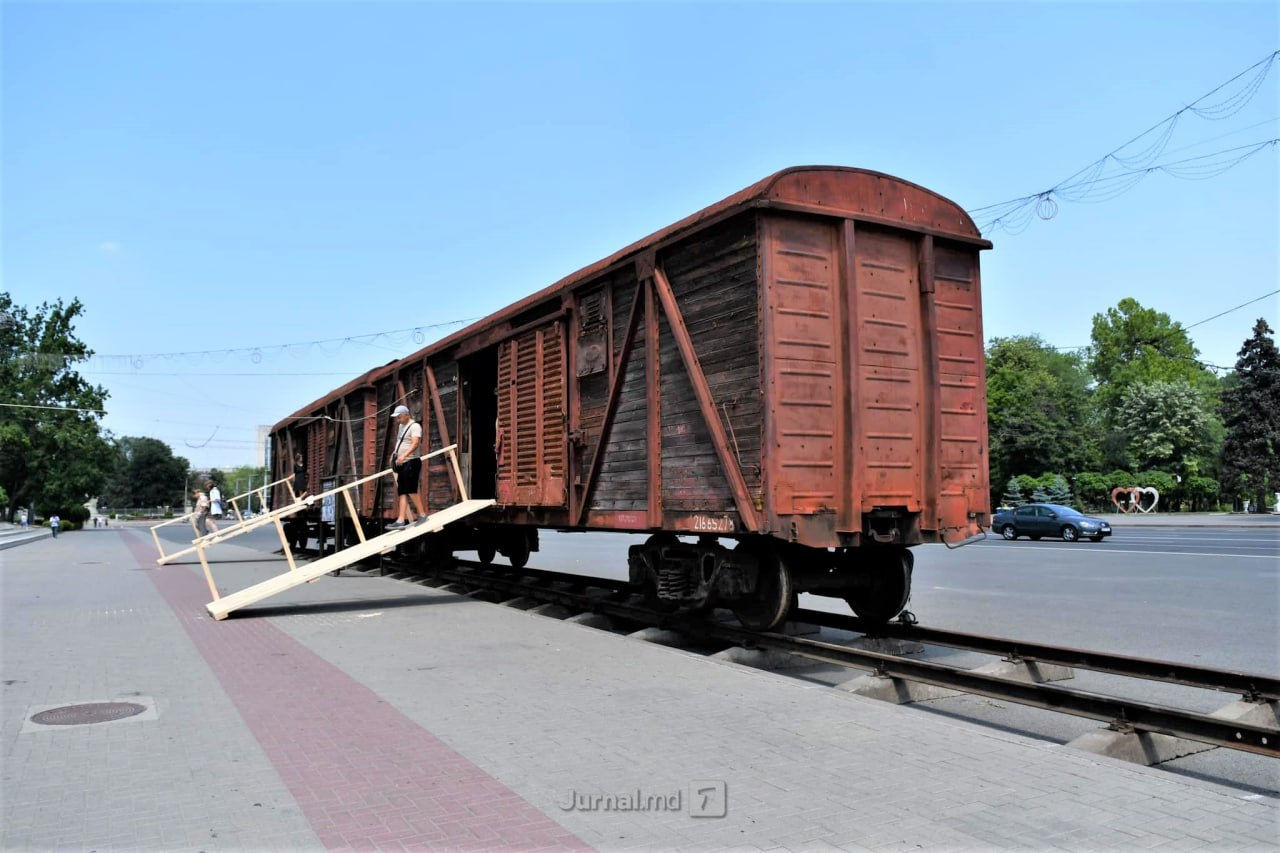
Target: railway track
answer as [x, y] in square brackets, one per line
[618, 601]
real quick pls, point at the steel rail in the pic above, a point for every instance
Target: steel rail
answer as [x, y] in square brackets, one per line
[1253, 686]
[1120, 714]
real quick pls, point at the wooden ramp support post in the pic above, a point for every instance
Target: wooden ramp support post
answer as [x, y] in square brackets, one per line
[369, 546]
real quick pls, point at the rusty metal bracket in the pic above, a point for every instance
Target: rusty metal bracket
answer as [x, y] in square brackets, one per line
[977, 537]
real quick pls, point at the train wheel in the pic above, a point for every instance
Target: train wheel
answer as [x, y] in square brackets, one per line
[517, 551]
[486, 553]
[774, 598]
[884, 586]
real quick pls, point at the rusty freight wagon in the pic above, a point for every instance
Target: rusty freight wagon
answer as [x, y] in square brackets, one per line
[785, 390]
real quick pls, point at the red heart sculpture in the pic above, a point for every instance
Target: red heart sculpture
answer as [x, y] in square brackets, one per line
[1127, 493]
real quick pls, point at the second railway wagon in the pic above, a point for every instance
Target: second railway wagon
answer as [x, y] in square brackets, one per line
[786, 390]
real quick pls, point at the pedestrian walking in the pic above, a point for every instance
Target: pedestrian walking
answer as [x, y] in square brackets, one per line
[407, 467]
[215, 504]
[202, 513]
[54, 524]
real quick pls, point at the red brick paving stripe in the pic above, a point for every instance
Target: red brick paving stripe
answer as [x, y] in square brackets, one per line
[365, 775]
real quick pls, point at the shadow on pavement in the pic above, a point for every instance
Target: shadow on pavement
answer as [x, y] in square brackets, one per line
[345, 606]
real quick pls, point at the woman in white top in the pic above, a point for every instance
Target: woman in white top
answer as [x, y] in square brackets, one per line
[215, 504]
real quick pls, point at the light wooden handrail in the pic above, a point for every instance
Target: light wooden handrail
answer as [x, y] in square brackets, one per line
[184, 517]
[201, 543]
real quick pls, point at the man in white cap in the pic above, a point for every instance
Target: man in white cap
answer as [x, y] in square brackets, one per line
[407, 463]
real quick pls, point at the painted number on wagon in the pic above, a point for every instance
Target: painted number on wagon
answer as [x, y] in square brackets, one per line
[712, 524]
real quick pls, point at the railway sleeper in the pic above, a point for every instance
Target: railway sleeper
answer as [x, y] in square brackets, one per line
[1122, 741]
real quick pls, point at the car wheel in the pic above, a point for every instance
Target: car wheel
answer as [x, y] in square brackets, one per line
[1070, 534]
[1008, 532]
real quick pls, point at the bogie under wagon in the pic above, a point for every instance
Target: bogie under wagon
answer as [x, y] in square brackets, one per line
[785, 390]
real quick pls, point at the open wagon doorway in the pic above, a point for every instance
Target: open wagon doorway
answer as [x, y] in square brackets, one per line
[479, 374]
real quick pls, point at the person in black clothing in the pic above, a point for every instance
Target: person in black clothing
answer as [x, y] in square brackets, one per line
[299, 477]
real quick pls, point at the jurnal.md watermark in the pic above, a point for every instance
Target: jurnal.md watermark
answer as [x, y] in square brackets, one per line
[703, 798]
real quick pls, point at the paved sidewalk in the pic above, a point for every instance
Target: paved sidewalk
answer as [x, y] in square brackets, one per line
[13, 535]
[1191, 519]
[368, 713]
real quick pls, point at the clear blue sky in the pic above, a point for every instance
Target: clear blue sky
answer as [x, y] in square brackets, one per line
[229, 175]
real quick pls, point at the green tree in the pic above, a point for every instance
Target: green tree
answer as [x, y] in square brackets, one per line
[52, 451]
[1012, 494]
[146, 474]
[1167, 425]
[1053, 489]
[1202, 492]
[241, 479]
[1251, 414]
[1093, 489]
[1038, 407]
[1134, 345]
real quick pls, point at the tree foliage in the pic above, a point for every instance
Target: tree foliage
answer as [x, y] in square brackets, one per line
[1251, 414]
[1013, 495]
[52, 453]
[1038, 409]
[1132, 345]
[1168, 425]
[146, 474]
[1053, 489]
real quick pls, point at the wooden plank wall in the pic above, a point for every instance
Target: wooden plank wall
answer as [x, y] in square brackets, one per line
[440, 484]
[624, 478]
[714, 279]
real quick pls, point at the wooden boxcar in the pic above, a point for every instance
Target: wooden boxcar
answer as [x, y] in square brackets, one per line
[792, 380]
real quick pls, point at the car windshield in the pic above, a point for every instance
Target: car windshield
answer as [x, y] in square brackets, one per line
[1062, 510]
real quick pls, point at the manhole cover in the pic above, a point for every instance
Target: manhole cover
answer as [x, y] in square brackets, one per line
[93, 712]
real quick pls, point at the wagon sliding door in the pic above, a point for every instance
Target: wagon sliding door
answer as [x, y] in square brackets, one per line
[531, 418]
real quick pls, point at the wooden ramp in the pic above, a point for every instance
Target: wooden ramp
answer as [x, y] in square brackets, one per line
[221, 606]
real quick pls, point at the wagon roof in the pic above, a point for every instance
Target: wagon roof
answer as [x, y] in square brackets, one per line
[835, 190]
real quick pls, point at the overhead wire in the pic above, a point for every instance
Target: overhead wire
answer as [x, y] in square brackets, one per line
[1015, 215]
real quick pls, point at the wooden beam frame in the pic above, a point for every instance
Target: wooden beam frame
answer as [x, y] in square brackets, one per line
[653, 401]
[930, 475]
[611, 408]
[701, 390]
[443, 427]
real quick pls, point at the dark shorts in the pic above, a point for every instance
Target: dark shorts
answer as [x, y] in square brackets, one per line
[407, 477]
